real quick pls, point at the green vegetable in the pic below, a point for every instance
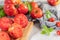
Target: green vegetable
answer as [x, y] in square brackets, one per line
[29, 7]
[46, 30]
[2, 14]
[50, 29]
[48, 14]
[43, 32]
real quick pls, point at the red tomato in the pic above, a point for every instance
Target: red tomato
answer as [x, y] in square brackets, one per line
[5, 23]
[51, 19]
[34, 5]
[36, 13]
[21, 19]
[10, 9]
[23, 9]
[12, 2]
[4, 36]
[53, 2]
[58, 24]
[58, 32]
[15, 31]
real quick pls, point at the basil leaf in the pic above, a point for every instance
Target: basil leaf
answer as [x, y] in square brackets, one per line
[50, 29]
[29, 7]
[43, 32]
[2, 14]
[46, 29]
[48, 14]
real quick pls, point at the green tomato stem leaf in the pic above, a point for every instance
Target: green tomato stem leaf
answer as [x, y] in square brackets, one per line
[29, 7]
[50, 29]
[48, 14]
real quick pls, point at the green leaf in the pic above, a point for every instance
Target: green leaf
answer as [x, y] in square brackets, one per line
[46, 29]
[50, 29]
[48, 14]
[43, 32]
[29, 7]
[2, 14]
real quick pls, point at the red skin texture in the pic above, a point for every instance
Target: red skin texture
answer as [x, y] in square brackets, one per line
[53, 2]
[51, 19]
[15, 31]
[36, 13]
[34, 5]
[4, 36]
[5, 23]
[10, 9]
[23, 9]
[58, 32]
[12, 2]
[58, 24]
[21, 19]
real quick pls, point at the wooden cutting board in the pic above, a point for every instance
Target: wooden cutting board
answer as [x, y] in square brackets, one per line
[26, 32]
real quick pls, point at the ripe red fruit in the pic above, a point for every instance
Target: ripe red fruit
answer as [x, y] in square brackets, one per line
[36, 13]
[51, 19]
[58, 32]
[21, 19]
[10, 9]
[5, 23]
[15, 31]
[23, 9]
[58, 24]
[53, 2]
[4, 36]
[12, 2]
[34, 5]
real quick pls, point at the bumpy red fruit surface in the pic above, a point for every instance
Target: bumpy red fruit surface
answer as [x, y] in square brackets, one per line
[58, 32]
[15, 31]
[5, 23]
[53, 2]
[36, 13]
[12, 2]
[10, 9]
[58, 24]
[23, 9]
[34, 5]
[21, 19]
[51, 19]
[4, 36]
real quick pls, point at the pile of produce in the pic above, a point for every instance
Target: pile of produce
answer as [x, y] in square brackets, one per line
[13, 18]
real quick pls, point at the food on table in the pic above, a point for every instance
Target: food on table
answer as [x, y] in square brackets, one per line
[15, 31]
[2, 13]
[23, 9]
[15, 2]
[53, 2]
[13, 7]
[46, 30]
[58, 32]
[21, 19]
[51, 19]
[36, 13]
[34, 5]
[5, 23]
[10, 9]
[58, 24]
[4, 36]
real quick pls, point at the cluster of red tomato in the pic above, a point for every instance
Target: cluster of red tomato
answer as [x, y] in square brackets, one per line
[18, 9]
